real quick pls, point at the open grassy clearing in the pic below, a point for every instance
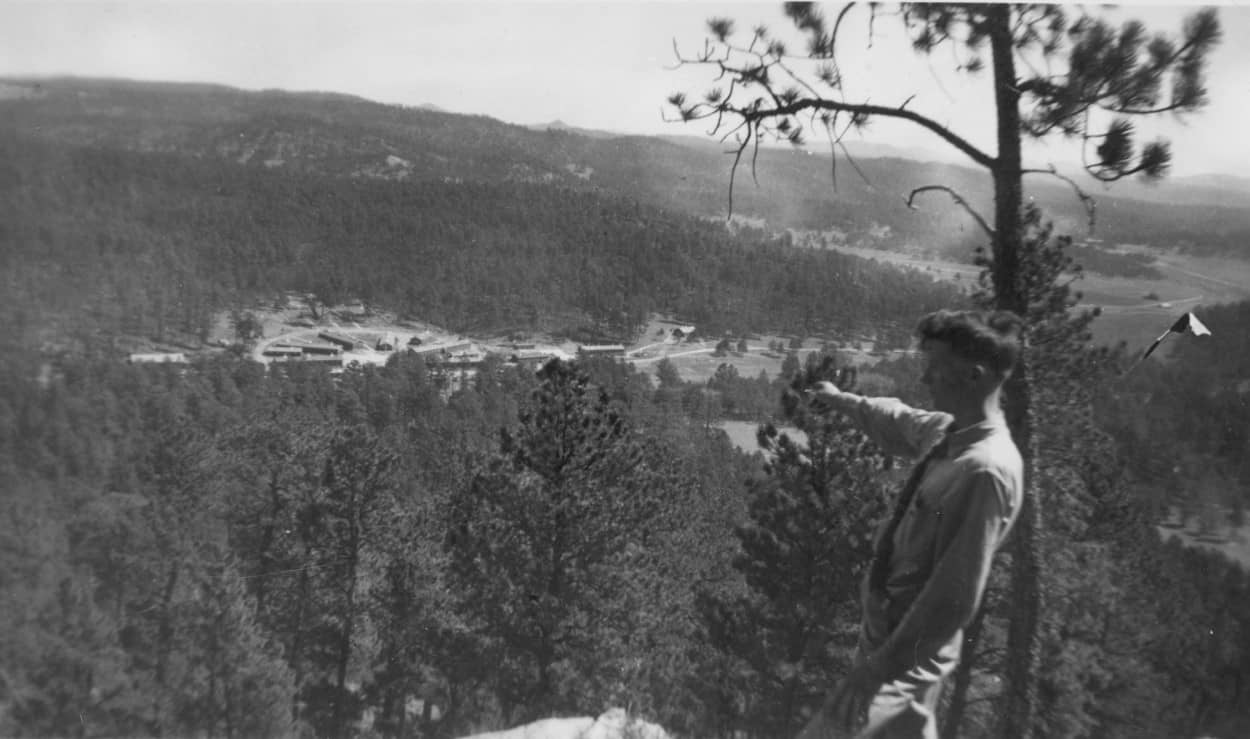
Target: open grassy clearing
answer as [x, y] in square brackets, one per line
[700, 365]
[1134, 310]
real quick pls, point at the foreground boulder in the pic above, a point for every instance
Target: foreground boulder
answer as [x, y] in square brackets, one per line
[613, 724]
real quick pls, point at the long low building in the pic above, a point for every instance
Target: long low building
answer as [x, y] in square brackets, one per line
[158, 358]
[601, 350]
[347, 343]
[334, 360]
[282, 351]
[322, 350]
[535, 357]
[465, 359]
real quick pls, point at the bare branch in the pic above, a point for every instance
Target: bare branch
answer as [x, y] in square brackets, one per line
[798, 79]
[868, 109]
[676, 54]
[720, 113]
[833, 159]
[1103, 175]
[756, 154]
[833, 163]
[782, 109]
[1085, 137]
[1143, 111]
[851, 159]
[833, 37]
[835, 143]
[733, 172]
[665, 119]
[730, 132]
[959, 200]
[1087, 200]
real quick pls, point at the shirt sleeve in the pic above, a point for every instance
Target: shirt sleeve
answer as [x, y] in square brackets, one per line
[896, 427]
[953, 591]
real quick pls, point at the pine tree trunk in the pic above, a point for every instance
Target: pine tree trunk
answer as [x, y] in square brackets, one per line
[165, 637]
[269, 533]
[1024, 630]
[349, 618]
[296, 655]
[1023, 635]
[1008, 191]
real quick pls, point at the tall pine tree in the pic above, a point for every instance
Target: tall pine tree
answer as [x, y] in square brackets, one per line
[1051, 75]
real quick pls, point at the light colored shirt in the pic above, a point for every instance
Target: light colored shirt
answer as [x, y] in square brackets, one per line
[967, 500]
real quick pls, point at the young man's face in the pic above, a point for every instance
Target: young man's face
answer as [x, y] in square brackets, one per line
[950, 378]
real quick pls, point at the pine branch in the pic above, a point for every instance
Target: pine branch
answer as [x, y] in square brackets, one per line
[851, 159]
[755, 112]
[733, 172]
[867, 109]
[1049, 90]
[959, 200]
[1086, 199]
[833, 159]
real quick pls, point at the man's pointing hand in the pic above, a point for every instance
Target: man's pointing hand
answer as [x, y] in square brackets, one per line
[825, 396]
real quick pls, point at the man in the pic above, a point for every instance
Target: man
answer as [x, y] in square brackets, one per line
[932, 556]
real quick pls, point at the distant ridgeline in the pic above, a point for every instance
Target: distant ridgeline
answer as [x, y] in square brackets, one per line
[319, 133]
[141, 208]
[99, 240]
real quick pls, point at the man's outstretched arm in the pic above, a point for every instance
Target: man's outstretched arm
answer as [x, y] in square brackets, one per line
[896, 427]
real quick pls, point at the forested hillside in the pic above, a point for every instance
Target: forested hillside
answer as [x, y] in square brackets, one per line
[223, 550]
[348, 136]
[227, 551]
[151, 244]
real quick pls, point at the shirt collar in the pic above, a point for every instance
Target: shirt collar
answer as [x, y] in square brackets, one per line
[960, 439]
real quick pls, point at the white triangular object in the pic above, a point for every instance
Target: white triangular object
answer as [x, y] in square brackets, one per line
[1196, 327]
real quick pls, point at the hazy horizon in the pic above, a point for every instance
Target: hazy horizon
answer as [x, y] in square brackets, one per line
[597, 66]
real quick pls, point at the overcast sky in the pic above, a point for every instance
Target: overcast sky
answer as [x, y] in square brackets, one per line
[598, 65]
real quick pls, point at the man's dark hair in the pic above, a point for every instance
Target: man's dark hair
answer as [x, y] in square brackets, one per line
[990, 338]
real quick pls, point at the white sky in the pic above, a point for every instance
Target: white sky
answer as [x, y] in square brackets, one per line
[601, 65]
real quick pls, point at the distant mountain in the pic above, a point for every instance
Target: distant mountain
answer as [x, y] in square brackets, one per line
[342, 135]
[857, 149]
[1223, 181]
[14, 91]
[432, 108]
[559, 125]
[1200, 190]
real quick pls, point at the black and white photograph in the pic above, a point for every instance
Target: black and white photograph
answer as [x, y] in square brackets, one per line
[681, 369]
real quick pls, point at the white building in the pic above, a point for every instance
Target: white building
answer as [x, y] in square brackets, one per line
[158, 358]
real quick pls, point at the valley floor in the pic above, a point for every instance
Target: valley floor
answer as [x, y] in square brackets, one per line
[1134, 310]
